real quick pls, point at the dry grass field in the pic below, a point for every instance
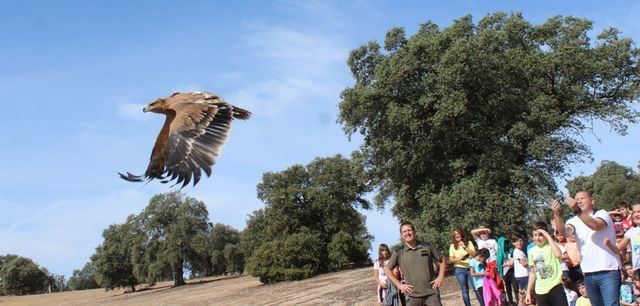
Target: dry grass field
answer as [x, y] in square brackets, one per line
[353, 287]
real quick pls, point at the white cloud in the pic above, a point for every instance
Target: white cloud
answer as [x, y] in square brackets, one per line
[301, 67]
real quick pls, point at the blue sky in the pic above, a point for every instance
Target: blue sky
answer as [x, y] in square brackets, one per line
[74, 76]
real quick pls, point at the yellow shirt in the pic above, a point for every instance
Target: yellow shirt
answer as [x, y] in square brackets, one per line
[459, 253]
[583, 301]
[547, 267]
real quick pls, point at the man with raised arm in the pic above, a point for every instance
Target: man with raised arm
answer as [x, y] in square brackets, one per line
[599, 264]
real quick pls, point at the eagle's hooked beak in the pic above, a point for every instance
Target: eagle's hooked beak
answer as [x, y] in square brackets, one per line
[145, 108]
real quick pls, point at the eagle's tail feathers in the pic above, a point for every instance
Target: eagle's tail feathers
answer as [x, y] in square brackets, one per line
[131, 177]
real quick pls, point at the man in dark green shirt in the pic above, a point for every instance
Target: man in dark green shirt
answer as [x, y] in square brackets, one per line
[416, 261]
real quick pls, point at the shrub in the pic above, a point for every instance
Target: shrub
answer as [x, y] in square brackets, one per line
[295, 257]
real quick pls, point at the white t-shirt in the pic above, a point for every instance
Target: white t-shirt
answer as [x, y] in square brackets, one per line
[381, 275]
[489, 244]
[572, 296]
[594, 255]
[634, 241]
[518, 269]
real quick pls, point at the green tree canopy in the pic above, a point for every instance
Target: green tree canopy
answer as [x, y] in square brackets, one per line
[173, 224]
[113, 259]
[234, 259]
[21, 275]
[292, 257]
[254, 233]
[58, 283]
[610, 184]
[222, 234]
[462, 122]
[323, 197]
[170, 236]
[343, 250]
[212, 261]
[320, 199]
[85, 278]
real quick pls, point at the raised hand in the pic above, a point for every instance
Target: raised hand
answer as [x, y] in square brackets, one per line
[572, 203]
[556, 207]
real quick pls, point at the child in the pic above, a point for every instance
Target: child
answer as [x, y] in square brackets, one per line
[477, 272]
[481, 236]
[617, 217]
[627, 297]
[636, 283]
[520, 265]
[575, 273]
[633, 236]
[545, 272]
[493, 286]
[572, 296]
[584, 299]
[614, 248]
[627, 273]
[505, 267]
[625, 253]
[561, 241]
[624, 210]
[379, 276]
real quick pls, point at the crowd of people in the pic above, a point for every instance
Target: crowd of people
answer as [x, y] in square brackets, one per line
[590, 259]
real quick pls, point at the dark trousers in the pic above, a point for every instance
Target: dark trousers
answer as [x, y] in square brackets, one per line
[575, 274]
[479, 296]
[555, 297]
[511, 285]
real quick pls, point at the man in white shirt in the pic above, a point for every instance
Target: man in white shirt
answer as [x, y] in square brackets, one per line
[599, 264]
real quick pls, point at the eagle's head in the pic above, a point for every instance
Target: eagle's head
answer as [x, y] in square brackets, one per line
[157, 106]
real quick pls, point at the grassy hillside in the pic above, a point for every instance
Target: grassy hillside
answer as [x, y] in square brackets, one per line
[353, 287]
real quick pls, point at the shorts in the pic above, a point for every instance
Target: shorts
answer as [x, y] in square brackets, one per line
[522, 282]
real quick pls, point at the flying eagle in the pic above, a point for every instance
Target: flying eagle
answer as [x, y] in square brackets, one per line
[196, 127]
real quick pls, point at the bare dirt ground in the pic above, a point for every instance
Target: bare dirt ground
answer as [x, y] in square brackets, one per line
[353, 287]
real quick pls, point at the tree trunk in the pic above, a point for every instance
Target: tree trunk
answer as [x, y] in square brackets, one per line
[133, 288]
[208, 268]
[178, 277]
